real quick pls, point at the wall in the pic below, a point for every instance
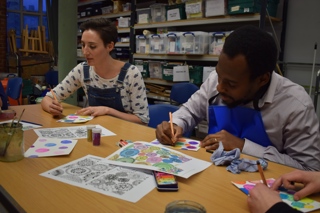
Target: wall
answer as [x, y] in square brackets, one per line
[303, 31]
[3, 36]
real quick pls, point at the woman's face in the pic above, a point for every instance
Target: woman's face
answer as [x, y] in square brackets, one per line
[93, 48]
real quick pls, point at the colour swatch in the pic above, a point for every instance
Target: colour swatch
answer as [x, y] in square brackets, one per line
[45, 147]
[73, 118]
[183, 144]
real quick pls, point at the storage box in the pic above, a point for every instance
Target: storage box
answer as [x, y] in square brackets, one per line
[157, 43]
[173, 44]
[194, 9]
[251, 6]
[216, 42]
[142, 44]
[106, 10]
[195, 74]
[124, 22]
[126, 7]
[194, 42]
[158, 12]
[176, 12]
[143, 15]
[155, 69]
[122, 52]
[215, 8]
[143, 66]
[167, 72]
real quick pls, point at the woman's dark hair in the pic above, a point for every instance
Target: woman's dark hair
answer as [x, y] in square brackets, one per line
[258, 47]
[104, 27]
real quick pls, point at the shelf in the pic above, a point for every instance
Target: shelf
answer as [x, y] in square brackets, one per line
[158, 81]
[122, 44]
[110, 15]
[123, 30]
[204, 21]
[176, 57]
[89, 2]
[158, 97]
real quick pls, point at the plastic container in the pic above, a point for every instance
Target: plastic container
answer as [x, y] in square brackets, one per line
[89, 132]
[142, 44]
[173, 44]
[251, 6]
[216, 41]
[106, 10]
[157, 43]
[96, 136]
[158, 12]
[126, 7]
[194, 42]
[143, 15]
[184, 206]
[155, 69]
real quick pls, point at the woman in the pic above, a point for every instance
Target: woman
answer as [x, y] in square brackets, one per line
[112, 87]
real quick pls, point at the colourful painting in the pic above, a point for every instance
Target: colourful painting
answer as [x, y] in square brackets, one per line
[304, 205]
[157, 157]
[46, 147]
[73, 118]
[183, 144]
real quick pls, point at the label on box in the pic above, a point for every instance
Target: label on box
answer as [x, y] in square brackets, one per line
[194, 8]
[173, 14]
[168, 71]
[140, 67]
[206, 72]
[123, 22]
[181, 73]
[235, 8]
[215, 8]
[172, 47]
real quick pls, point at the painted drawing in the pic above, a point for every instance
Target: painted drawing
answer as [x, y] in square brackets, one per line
[74, 132]
[90, 172]
[150, 156]
[183, 144]
[45, 147]
[304, 205]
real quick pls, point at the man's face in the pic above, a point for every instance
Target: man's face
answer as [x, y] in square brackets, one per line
[234, 84]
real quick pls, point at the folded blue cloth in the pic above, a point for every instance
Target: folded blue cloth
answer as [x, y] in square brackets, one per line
[235, 164]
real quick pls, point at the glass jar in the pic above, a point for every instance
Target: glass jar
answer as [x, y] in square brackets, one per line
[11, 142]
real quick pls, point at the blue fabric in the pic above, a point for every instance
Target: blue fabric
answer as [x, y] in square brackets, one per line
[239, 121]
[4, 98]
[110, 97]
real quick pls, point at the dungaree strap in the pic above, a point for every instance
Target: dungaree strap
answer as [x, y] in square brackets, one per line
[86, 76]
[123, 73]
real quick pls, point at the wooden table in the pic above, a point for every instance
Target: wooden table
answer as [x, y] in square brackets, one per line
[212, 187]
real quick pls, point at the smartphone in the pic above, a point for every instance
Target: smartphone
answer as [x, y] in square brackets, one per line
[165, 181]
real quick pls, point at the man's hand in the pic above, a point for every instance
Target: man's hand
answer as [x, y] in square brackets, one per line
[164, 133]
[230, 142]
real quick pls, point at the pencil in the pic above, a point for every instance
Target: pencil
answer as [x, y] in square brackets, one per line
[54, 95]
[171, 124]
[261, 173]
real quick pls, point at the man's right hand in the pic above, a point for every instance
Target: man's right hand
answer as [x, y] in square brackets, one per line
[164, 133]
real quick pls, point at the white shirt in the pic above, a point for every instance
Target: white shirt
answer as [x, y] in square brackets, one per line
[288, 115]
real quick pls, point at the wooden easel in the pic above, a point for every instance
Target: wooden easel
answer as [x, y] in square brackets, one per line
[35, 42]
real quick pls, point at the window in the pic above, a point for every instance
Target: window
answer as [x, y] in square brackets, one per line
[26, 12]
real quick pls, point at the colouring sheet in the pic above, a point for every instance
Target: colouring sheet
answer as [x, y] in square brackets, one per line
[73, 118]
[91, 173]
[146, 155]
[74, 132]
[183, 144]
[304, 205]
[26, 125]
[45, 147]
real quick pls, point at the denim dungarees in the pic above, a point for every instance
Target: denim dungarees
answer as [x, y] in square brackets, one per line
[109, 97]
[239, 121]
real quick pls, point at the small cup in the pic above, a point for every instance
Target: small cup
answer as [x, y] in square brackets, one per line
[11, 142]
[89, 132]
[185, 206]
[96, 136]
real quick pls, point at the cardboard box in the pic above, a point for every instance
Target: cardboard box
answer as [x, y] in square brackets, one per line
[215, 8]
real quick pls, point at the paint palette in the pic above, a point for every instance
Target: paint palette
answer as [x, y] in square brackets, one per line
[304, 205]
[183, 144]
[73, 118]
[45, 147]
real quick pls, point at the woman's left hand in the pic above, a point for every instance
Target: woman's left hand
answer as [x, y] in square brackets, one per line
[93, 111]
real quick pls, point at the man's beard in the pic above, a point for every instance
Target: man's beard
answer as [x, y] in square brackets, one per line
[234, 103]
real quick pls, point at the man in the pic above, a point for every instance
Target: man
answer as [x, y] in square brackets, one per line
[250, 107]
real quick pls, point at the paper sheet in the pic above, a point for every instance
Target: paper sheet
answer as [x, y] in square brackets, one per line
[145, 155]
[304, 205]
[91, 173]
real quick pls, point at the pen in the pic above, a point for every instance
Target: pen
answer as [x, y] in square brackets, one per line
[171, 124]
[261, 173]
